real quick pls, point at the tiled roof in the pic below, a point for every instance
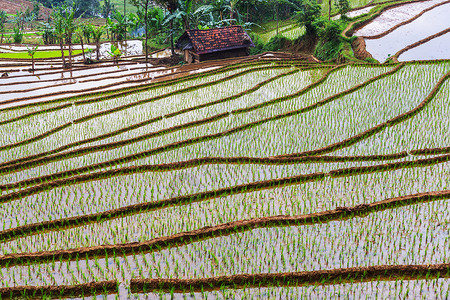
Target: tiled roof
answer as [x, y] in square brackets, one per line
[217, 39]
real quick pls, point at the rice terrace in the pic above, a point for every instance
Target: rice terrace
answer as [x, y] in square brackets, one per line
[209, 156]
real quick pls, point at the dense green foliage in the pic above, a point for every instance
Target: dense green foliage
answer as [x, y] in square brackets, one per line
[160, 23]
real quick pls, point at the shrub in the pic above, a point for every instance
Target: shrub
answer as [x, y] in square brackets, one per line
[18, 35]
[259, 44]
[276, 43]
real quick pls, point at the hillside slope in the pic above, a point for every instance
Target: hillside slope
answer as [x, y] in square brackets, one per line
[10, 6]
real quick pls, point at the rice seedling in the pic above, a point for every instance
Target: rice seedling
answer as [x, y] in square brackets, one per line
[255, 170]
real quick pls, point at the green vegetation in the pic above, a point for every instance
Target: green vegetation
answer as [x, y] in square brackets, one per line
[38, 54]
[263, 167]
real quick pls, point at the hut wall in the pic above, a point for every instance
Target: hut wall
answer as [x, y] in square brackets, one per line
[224, 54]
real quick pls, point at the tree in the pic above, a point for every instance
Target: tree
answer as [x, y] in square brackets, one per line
[171, 6]
[144, 5]
[51, 3]
[343, 6]
[69, 29]
[86, 7]
[119, 27]
[58, 23]
[48, 33]
[32, 52]
[115, 53]
[308, 15]
[181, 14]
[97, 35]
[3, 19]
[18, 35]
[19, 19]
[80, 35]
[107, 9]
[35, 11]
[87, 30]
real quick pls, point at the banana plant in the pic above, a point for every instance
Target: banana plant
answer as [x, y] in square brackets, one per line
[115, 53]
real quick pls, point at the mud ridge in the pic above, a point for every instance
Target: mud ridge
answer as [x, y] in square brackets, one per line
[176, 145]
[197, 162]
[93, 93]
[118, 93]
[421, 42]
[305, 278]
[7, 167]
[144, 123]
[72, 77]
[209, 232]
[378, 128]
[167, 79]
[374, 37]
[60, 291]
[121, 212]
[355, 25]
[128, 105]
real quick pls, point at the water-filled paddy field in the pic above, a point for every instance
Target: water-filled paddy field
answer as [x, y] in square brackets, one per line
[413, 31]
[260, 179]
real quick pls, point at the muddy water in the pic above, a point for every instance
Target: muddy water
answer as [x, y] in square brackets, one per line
[24, 76]
[71, 79]
[438, 48]
[430, 23]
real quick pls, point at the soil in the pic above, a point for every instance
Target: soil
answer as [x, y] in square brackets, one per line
[304, 47]
[59, 291]
[305, 278]
[359, 49]
[10, 6]
[167, 61]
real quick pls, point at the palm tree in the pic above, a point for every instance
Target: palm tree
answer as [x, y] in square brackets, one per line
[182, 14]
[58, 23]
[97, 34]
[144, 4]
[80, 35]
[69, 28]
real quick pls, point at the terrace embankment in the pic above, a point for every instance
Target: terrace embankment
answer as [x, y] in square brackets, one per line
[359, 49]
[129, 105]
[378, 128]
[32, 161]
[421, 42]
[202, 196]
[380, 35]
[359, 46]
[322, 277]
[60, 291]
[168, 74]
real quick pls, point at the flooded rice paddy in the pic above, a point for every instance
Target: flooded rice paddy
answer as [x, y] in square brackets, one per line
[142, 184]
[428, 24]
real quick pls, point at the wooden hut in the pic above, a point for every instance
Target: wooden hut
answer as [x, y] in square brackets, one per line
[218, 43]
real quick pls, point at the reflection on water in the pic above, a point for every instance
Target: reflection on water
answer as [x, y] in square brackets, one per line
[395, 16]
[438, 48]
[430, 23]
